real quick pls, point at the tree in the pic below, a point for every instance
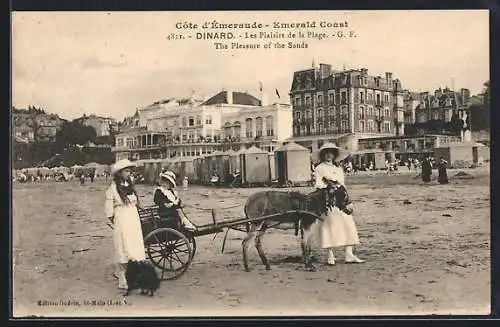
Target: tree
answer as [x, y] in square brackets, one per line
[73, 133]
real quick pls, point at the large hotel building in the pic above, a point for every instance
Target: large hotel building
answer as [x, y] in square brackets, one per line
[358, 111]
[187, 127]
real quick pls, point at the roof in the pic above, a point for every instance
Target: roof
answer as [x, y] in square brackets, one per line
[253, 150]
[231, 152]
[217, 153]
[292, 146]
[240, 98]
[371, 151]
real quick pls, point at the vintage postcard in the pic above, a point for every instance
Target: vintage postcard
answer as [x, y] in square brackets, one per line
[257, 163]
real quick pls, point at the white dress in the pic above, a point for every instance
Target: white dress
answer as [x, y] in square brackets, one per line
[337, 228]
[128, 239]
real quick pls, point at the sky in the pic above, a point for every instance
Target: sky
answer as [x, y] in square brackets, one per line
[110, 63]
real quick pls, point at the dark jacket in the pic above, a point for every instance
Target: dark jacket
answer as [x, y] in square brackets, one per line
[165, 200]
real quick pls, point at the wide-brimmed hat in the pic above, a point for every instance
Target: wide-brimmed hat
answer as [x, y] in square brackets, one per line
[169, 176]
[342, 153]
[122, 164]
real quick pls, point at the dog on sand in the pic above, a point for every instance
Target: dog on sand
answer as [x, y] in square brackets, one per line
[141, 274]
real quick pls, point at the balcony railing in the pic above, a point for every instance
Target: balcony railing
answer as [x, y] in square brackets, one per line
[237, 140]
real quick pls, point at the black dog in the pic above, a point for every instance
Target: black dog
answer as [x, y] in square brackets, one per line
[141, 274]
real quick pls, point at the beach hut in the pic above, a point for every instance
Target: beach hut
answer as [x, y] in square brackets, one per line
[377, 156]
[293, 164]
[186, 169]
[208, 167]
[99, 168]
[74, 168]
[255, 168]
[220, 161]
[205, 173]
[196, 169]
[234, 160]
[45, 171]
[480, 153]
[150, 170]
[458, 155]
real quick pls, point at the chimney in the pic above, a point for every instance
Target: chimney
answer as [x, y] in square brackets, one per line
[388, 77]
[229, 93]
[263, 99]
[364, 71]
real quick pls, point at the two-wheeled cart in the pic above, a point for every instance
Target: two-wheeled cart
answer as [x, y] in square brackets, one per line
[171, 248]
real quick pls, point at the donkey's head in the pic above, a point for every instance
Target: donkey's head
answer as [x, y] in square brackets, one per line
[334, 195]
[337, 195]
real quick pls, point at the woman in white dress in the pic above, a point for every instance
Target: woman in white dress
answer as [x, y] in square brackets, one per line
[337, 229]
[121, 209]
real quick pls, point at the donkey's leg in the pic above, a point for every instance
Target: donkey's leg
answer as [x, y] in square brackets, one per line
[258, 245]
[250, 236]
[306, 247]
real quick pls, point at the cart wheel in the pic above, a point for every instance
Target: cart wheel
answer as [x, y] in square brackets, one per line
[189, 235]
[192, 242]
[170, 251]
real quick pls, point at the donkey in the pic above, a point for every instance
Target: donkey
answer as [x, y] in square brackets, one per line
[266, 203]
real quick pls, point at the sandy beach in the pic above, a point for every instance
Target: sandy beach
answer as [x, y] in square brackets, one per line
[427, 251]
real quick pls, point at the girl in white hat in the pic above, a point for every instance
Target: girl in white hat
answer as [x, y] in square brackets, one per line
[337, 228]
[121, 209]
[167, 198]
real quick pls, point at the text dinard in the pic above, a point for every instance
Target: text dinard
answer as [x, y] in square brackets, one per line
[255, 25]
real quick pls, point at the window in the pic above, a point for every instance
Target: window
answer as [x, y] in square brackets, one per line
[343, 126]
[343, 97]
[361, 126]
[198, 120]
[378, 99]
[320, 100]
[435, 115]
[370, 111]
[386, 98]
[191, 121]
[387, 113]
[308, 100]
[258, 126]
[208, 120]
[119, 142]
[386, 127]
[333, 112]
[320, 128]
[320, 113]
[184, 137]
[297, 100]
[362, 97]
[130, 142]
[296, 131]
[370, 96]
[237, 129]
[249, 127]
[361, 112]
[308, 114]
[343, 110]
[331, 98]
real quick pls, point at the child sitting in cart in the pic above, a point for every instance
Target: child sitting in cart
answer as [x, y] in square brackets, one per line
[168, 200]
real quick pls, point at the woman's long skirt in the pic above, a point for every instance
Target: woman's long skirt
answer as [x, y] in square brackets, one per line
[128, 239]
[337, 229]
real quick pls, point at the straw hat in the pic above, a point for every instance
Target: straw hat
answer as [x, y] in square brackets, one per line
[342, 153]
[169, 176]
[122, 164]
